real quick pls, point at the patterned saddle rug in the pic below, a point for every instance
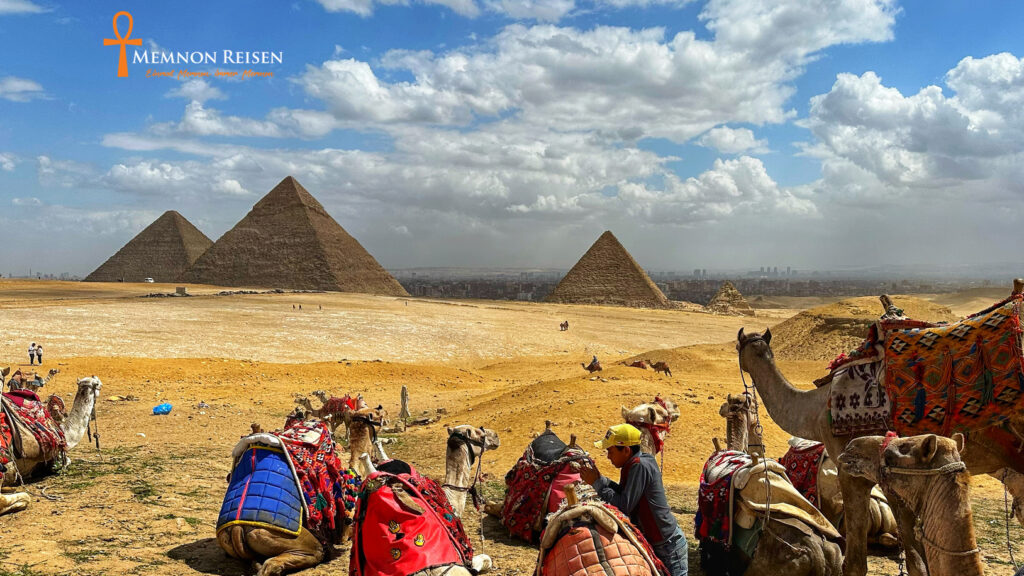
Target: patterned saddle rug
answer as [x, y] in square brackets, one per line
[289, 479]
[940, 378]
[404, 524]
[593, 537]
[26, 413]
[802, 462]
[536, 484]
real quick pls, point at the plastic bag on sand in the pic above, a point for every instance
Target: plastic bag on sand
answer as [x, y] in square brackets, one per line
[162, 409]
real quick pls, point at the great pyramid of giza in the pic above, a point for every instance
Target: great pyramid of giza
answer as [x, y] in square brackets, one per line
[728, 300]
[608, 275]
[162, 251]
[288, 240]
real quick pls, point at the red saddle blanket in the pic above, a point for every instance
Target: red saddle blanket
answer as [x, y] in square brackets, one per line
[325, 483]
[802, 465]
[404, 524]
[25, 406]
[948, 378]
[714, 496]
[534, 489]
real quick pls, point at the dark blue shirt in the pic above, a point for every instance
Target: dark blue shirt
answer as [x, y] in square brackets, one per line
[640, 495]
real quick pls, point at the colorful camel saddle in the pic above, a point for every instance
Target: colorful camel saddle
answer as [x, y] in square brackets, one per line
[536, 485]
[405, 524]
[945, 378]
[733, 498]
[26, 413]
[591, 538]
[802, 463]
[289, 479]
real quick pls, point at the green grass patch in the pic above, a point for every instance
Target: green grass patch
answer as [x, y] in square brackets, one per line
[87, 555]
[23, 570]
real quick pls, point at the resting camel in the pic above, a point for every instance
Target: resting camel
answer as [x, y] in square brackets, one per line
[594, 366]
[20, 382]
[29, 457]
[362, 437]
[926, 474]
[660, 367]
[466, 446]
[741, 434]
[789, 546]
[654, 419]
[806, 414]
[637, 364]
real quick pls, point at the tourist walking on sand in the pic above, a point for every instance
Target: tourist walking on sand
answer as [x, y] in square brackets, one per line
[640, 495]
[39, 354]
[32, 354]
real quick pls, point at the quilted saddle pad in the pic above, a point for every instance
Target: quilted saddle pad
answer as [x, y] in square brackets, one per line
[262, 492]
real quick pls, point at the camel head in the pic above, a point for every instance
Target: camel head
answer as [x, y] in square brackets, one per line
[753, 345]
[89, 385]
[739, 421]
[870, 456]
[652, 412]
[481, 439]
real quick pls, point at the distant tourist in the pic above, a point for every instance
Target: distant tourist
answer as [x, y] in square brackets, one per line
[39, 354]
[32, 354]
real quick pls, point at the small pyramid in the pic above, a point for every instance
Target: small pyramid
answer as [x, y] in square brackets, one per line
[728, 300]
[608, 275]
[288, 240]
[162, 251]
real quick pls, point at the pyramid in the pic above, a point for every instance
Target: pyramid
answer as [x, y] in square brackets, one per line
[162, 251]
[288, 240]
[608, 275]
[728, 300]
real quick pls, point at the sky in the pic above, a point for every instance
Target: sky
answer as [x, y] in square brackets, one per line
[724, 134]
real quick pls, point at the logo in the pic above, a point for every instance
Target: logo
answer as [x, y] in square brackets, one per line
[122, 63]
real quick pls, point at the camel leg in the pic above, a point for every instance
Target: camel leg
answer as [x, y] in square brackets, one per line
[284, 554]
[1014, 482]
[856, 494]
[14, 502]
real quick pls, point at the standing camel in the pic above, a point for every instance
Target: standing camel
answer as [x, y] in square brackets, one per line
[466, 446]
[594, 366]
[926, 474]
[660, 366]
[806, 414]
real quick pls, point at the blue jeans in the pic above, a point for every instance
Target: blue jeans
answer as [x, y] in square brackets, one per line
[673, 553]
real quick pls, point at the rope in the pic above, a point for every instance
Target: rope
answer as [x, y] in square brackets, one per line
[951, 468]
[919, 532]
[1006, 510]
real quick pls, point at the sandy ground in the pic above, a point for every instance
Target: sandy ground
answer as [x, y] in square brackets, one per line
[147, 503]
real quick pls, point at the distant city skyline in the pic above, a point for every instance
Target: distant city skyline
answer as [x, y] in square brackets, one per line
[717, 134]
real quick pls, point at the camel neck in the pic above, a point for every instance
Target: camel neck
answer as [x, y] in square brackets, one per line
[947, 527]
[78, 419]
[788, 406]
[458, 473]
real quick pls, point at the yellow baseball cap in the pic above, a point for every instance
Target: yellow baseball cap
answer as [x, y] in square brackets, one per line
[619, 435]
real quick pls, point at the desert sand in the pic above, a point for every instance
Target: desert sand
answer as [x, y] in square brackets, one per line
[147, 502]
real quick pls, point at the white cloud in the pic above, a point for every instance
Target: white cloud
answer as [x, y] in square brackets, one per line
[624, 84]
[198, 90]
[542, 10]
[201, 121]
[732, 140]
[20, 7]
[8, 161]
[63, 173]
[20, 89]
[30, 201]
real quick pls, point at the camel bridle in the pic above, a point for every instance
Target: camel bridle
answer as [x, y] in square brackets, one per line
[459, 438]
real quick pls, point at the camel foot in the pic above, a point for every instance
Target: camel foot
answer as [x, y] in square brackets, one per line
[493, 508]
[888, 541]
[15, 503]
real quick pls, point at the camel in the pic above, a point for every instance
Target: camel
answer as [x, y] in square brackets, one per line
[926, 474]
[742, 435]
[806, 414]
[19, 382]
[563, 326]
[362, 437]
[791, 545]
[272, 551]
[466, 446]
[636, 364]
[28, 456]
[594, 366]
[660, 367]
[654, 419]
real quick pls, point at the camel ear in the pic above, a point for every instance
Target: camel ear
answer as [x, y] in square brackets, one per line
[450, 430]
[961, 443]
[767, 336]
[652, 416]
[739, 337]
[929, 446]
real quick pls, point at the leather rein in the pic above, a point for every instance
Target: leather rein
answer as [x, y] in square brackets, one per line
[460, 438]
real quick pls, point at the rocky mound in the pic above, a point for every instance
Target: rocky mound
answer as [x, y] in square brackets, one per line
[824, 332]
[162, 251]
[729, 301]
[609, 276]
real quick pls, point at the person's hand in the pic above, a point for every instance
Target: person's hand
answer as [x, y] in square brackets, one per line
[589, 475]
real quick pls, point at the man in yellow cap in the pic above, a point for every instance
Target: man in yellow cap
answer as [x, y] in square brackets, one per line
[640, 495]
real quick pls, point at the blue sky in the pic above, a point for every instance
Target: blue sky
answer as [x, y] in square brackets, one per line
[722, 134]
